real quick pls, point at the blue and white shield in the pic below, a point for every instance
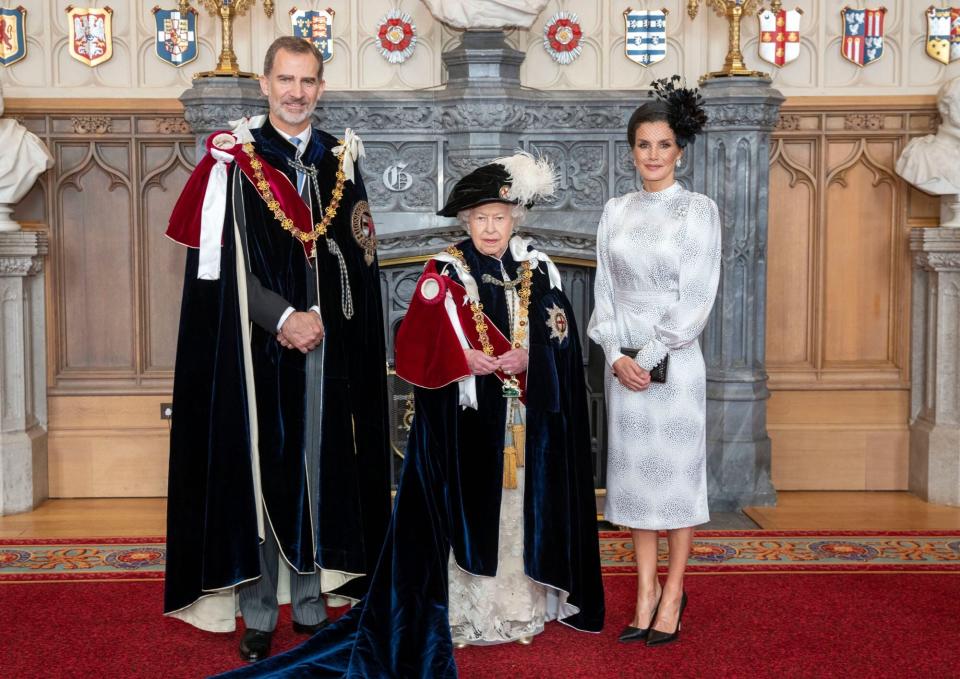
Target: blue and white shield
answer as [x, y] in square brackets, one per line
[646, 40]
[13, 39]
[176, 35]
[315, 26]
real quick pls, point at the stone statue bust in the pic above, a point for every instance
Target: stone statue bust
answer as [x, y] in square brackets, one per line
[24, 158]
[486, 14]
[931, 163]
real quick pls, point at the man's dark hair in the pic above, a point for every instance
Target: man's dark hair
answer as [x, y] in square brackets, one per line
[295, 45]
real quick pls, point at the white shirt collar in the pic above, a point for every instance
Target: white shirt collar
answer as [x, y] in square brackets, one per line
[302, 139]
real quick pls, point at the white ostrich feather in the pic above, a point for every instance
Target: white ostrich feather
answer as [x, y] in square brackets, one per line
[531, 179]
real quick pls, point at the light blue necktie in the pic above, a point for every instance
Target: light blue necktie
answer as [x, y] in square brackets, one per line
[301, 177]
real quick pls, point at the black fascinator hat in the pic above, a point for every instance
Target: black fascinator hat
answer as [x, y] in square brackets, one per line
[519, 179]
[681, 107]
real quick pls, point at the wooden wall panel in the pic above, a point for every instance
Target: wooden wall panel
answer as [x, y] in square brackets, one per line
[839, 292]
[858, 253]
[93, 222]
[791, 240]
[107, 446]
[113, 288]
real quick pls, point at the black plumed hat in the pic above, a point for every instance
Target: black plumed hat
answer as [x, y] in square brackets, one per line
[519, 179]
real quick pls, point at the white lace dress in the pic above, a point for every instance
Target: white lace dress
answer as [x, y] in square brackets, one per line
[658, 266]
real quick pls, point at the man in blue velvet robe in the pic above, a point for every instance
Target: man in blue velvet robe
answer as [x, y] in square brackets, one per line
[279, 454]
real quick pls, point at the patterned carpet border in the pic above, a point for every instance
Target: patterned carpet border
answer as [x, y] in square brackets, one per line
[713, 552]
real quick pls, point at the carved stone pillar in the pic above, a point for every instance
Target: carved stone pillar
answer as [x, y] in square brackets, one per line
[731, 165]
[23, 375]
[481, 117]
[211, 102]
[934, 472]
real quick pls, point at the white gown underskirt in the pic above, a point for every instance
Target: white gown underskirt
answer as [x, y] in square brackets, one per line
[508, 606]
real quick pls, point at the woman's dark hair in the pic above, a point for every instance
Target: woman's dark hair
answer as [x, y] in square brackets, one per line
[650, 112]
[680, 107]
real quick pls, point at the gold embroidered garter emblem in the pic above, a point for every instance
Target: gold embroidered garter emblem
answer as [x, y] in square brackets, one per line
[363, 230]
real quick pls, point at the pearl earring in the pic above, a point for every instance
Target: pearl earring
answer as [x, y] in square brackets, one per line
[679, 162]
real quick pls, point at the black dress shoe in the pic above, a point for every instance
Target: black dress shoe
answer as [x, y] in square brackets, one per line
[255, 645]
[301, 628]
[631, 633]
[658, 638]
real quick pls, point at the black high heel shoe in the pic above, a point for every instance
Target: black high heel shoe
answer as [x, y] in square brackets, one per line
[657, 638]
[631, 633]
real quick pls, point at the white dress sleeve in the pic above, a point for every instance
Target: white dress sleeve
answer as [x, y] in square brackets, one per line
[685, 319]
[602, 328]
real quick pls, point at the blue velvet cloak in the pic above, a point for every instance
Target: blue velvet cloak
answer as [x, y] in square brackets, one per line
[449, 498]
[212, 540]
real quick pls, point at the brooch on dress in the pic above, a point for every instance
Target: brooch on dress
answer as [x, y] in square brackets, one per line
[557, 322]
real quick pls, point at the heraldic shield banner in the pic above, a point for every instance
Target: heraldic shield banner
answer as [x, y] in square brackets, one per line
[646, 41]
[91, 36]
[780, 36]
[862, 41]
[176, 35]
[13, 38]
[943, 34]
[316, 26]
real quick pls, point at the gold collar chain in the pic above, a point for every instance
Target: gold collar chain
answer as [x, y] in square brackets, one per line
[520, 331]
[263, 188]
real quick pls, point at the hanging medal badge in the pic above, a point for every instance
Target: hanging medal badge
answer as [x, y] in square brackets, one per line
[862, 41]
[780, 36]
[315, 26]
[13, 35]
[646, 37]
[91, 34]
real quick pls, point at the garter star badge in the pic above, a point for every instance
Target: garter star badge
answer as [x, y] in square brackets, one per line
[862, 41]
[780, 36]
[646, 39]
[397, 36]
[557, 322]
[176, 35]
[943, 34]
[364, 232]
[91, 34]
[315, 26]
[13, 38]
[561, 37]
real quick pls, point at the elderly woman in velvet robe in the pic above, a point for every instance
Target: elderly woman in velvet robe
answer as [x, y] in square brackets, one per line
[494, 527]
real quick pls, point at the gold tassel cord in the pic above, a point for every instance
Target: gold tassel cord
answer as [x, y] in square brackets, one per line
[519, 437]
[509, 467]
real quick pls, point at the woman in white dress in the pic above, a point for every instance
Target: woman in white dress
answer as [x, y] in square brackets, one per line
[658, 266]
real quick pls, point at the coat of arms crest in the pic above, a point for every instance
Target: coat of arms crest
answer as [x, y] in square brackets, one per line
[646, 39]
[91, 34]
[176, 35]
[316, 26]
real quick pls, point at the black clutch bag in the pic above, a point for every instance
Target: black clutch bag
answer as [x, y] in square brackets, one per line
[658, 373]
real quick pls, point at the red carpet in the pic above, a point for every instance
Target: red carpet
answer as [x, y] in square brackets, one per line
[892, 624]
